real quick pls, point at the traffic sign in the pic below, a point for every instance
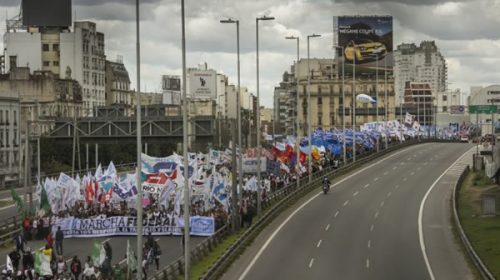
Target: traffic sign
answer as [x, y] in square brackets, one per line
[482, 109]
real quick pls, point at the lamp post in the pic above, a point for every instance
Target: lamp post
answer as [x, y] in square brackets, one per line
[185, 105]
[385, 101]
[344, 154]
[297, 125]
[376, 100]
[354, 104]
[234, 196]
[139, 142]
[309, 106]
[258, 111]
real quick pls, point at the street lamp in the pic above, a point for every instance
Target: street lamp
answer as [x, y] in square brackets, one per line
[309, 106]
[258, 111]
[344, 154]
[139, 141]
[385, 101]
[234, 196]
[376, 100]
[297, 139]
[354, 104]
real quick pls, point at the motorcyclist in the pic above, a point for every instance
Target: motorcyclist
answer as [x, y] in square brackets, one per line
[326, 183]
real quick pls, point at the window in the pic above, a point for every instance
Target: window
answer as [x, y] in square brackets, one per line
[46, 63]
[13, 61]
[1, 116]
[14, 113]
[320, 117]
[320, 101]
[55, 63]
[45, 47]
[445, 109]
[55, 47]
[445, 97]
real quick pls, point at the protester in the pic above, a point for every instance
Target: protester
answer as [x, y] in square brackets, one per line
[76, 267]
[59, 241]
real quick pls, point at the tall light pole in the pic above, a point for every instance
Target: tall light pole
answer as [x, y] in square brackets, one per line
[185, 105]
[376, 100]
[258, 111]
[385, 101]
[354, 104]
[344, 153]
[297, 124]
[138, 203]
[234, 196]
[309, 161]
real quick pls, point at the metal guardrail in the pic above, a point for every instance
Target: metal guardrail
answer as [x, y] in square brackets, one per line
[478, 263]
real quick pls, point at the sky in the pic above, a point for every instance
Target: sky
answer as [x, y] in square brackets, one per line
[466, 32]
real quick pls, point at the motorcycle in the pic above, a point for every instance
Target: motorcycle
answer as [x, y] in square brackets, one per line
[326, 188]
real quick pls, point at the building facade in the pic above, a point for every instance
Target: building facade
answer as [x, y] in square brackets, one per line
[419, 101]
[70, 54]
[327, 100]
[10, 157]
[422, 64]
[489, 95]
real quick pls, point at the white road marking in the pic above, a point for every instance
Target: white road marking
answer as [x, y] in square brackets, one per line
[371, 227]
[366, 186]
[336, 214]
[402, 163]
[376, 215]
[394, 168]
[327, 227]
[418, 168]
[420, 214]
[376, 179]
[389, 194]
[355, 194]
[404, 179]
[369, 243]
[382, 203]
[268, 241]
[385, 173]
[311, 263]
[412, 173]
[319, 243]
[346, 202]
[425, 163]
[367, 263]
[396, 187]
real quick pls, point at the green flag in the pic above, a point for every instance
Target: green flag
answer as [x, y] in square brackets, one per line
[18, 201]
[131, 260]
[98, 254]
[42, 264]
[44, 201]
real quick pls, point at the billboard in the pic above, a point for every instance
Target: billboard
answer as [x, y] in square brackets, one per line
[172, 83]
[52, 13]
[202, 84]
[367, 42]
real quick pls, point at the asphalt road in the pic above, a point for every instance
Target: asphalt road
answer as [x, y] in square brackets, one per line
[365, 228]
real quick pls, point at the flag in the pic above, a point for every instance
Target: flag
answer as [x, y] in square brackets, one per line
[131, 261]
[18, 201]
[42, 264]
[8, 264]
[44, 201]
[98, 254]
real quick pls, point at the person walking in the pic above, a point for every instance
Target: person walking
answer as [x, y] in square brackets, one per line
[59, 241]
[20, 241]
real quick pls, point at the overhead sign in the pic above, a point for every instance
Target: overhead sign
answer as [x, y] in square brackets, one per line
[366, 41]
[483, 109]
[457, 109]
[202, 84]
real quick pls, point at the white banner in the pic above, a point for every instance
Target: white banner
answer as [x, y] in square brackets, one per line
[120, 225]
[249, 165]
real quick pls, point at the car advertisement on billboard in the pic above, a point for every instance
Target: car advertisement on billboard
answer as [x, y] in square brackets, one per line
[366, 42]
[202, 84]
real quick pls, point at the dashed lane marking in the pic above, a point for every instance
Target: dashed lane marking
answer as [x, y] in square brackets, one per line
[311, 263]
[369, 244]
[346, 202]
[327, 227]
[336, 214]
[367, 263]
[372, 227]
[355, 194]
[319, 244]
[366, 186]
[382, 204]
[376, 215]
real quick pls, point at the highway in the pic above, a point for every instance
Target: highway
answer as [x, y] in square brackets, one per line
[367, 227]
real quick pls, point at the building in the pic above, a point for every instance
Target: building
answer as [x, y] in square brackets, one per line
[422, 64]
[10, 156]
[117, 83]
[43, 96]
[327, 100]
[419, 101]
[171, 89]
[70, 54]
[489, 95]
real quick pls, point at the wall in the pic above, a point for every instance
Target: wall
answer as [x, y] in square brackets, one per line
[27, 47]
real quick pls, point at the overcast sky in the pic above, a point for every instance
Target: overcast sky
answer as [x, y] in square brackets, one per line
[467, 33]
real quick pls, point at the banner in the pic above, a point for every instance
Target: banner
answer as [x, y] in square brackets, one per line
[250, 165]
[120, 225]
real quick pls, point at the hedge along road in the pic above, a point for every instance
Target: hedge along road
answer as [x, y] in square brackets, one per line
[365, 228]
